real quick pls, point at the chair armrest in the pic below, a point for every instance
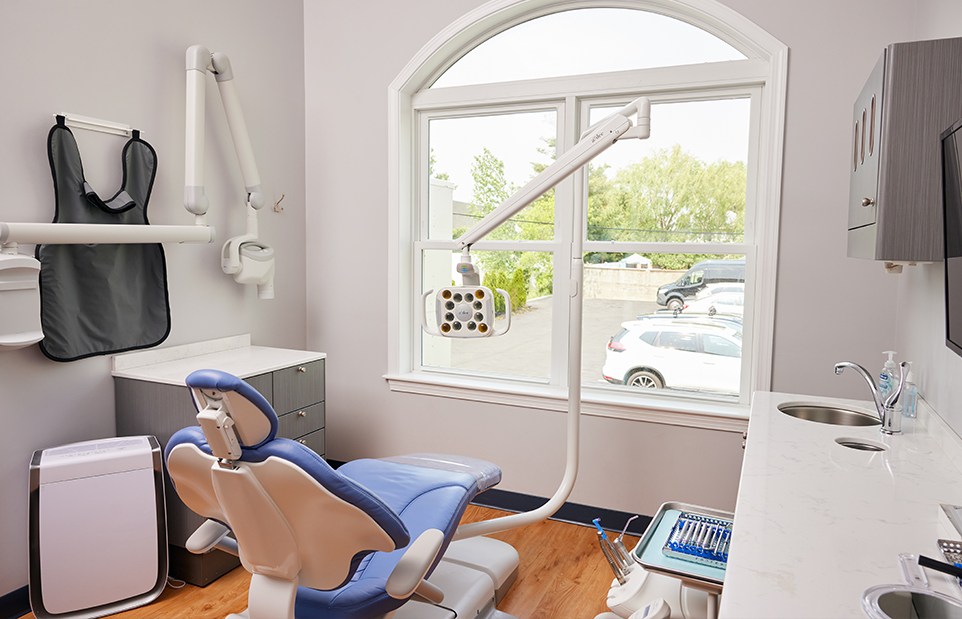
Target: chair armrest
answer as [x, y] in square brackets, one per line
[209, 536]
[408, 575]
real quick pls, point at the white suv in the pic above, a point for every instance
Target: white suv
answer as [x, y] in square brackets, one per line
[702, 355]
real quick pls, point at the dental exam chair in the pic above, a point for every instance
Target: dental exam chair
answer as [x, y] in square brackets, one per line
[369, 540]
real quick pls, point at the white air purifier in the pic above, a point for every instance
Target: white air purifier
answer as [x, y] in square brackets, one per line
[98, 532]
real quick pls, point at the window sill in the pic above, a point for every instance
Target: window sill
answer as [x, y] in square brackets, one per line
[691, 413]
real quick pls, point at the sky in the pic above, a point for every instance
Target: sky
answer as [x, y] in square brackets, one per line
[578, 42]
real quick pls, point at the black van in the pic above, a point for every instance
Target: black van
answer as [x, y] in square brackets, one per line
[673, 295]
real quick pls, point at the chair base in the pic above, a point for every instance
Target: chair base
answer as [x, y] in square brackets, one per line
[474, 574]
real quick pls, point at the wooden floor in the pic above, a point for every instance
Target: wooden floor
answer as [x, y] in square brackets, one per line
[562, 575]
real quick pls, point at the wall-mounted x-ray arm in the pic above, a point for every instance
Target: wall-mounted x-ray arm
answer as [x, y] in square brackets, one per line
[595, 140]
[248, 259]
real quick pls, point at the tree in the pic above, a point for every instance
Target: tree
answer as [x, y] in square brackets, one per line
[432, 160]
[670, 196]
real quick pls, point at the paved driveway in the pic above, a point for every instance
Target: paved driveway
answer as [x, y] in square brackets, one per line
[526, 349]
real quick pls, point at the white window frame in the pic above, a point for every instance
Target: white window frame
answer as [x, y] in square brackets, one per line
[762, 75]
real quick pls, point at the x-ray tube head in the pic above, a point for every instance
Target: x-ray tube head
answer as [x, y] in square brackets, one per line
[250, 261]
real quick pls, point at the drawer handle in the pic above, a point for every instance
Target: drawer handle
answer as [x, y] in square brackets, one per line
[301, 369]
[302, 441]
[302, 413]
[868, 202]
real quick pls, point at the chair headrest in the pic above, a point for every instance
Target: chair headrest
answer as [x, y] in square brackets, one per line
[255, 421]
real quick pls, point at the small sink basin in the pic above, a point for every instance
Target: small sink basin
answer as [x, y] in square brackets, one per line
[826, 413]
[904, 602]
[860, 444]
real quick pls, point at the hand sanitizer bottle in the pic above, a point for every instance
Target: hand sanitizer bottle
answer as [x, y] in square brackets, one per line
[888, 375]
[910, 396]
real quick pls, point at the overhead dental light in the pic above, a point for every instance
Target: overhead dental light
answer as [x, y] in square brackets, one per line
[452, 303]
[248, 259]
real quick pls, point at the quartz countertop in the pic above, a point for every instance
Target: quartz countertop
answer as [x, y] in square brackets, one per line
[816, 523]
[231, 354]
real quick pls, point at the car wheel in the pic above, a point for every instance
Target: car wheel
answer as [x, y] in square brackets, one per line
[644, 379]
[675, 304]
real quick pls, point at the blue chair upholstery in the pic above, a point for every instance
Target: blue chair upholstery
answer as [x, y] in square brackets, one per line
[402, 499]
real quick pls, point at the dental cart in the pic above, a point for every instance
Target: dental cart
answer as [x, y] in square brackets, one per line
[98, 533]
[679, 566]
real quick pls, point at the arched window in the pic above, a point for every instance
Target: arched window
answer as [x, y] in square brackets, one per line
[668, 223]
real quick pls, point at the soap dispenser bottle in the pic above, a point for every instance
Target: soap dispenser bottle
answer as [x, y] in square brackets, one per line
[910, 396]
[888, 375]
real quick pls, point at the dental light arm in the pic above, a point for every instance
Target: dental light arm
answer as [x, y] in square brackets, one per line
[594, 141]
[249, 260]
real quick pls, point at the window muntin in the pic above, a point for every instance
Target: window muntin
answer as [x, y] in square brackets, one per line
[585, 41]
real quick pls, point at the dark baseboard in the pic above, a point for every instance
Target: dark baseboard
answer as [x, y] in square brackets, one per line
[15, 604]
[574, 513]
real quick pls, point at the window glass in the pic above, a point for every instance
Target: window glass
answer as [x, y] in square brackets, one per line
[684, 341]
[583, 41]
[476, 162]
[644, 294]
[716, 345]
[525, 350]
[687, 183]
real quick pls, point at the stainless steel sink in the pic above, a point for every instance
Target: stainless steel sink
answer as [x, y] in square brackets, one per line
[826, 413]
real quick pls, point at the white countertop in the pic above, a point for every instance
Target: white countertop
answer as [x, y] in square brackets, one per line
[817, 523]
[232, 354]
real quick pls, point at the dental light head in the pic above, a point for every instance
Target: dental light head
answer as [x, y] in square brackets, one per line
[452, 306]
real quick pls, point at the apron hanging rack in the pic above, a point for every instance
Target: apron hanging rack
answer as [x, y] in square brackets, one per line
[96, 124]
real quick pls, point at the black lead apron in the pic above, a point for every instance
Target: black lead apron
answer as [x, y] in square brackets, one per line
[106, 298]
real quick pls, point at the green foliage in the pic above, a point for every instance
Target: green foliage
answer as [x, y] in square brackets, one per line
[677, 262]
[669, 196]
[515, 283]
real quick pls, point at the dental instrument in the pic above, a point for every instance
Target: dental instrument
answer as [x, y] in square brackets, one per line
[248, 259]
[594, 141]
[619, 543]
[616, 562]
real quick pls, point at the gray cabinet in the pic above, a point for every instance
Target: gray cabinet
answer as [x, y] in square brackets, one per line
[895, 199]
[146, 405]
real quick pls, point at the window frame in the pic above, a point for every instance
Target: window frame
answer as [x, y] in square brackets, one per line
[763, 73]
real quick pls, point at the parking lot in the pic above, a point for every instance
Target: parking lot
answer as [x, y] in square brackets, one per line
[525, 349]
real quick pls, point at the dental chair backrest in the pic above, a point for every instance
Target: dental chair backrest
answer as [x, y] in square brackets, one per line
[270, 491]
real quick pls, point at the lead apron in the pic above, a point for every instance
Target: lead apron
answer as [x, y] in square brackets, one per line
[107, 298]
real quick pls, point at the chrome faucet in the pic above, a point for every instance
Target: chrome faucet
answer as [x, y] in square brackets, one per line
[891, 419]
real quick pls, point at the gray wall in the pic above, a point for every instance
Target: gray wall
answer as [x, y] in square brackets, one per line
[124, 61]
[829, 307]
[921, 296]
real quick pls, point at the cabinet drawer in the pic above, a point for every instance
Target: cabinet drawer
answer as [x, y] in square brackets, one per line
[298, 386]
[264, 383]
[314, 440]
[302, 421]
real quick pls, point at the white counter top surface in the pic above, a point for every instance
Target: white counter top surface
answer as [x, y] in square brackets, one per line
[232, 354]
[817, 523]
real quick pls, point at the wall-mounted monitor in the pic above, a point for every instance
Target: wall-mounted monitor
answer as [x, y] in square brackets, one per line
[952, 208]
